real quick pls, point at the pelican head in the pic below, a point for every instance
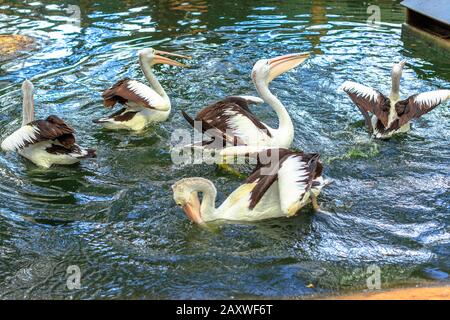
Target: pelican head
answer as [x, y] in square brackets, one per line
[268, 69]
[27, 86]
[153, 57]
[397, 69]
[185, 194]
[396, 75]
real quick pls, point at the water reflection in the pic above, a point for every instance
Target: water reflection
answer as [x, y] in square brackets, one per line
[318, 23]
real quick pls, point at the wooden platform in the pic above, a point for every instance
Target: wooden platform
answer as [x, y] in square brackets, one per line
[429, 293]
[429, 19]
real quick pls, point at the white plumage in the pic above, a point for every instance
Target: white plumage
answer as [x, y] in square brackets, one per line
[148, 94]
[243, 127]
[44, 142]
[233, 119]
[142, 104]
[360, 90]
[19, 138]
[391, 115]
[252, 99]
[432, 97]
[293, 183]
[269, 192]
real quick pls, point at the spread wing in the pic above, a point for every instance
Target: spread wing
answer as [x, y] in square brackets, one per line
[133, 93]
[52, 128]
[419, 104]
[368, 100]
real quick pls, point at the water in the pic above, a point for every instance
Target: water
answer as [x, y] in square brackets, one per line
[115, 218]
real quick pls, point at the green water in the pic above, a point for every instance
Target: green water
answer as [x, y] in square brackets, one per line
[114, 217]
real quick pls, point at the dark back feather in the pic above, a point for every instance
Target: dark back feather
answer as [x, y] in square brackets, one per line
[264, 181]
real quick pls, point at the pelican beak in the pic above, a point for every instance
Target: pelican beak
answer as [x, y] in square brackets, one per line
[192, 209]
[27, 85]
[397, 69]
[172, 54]
[164, 60]
[280, 65]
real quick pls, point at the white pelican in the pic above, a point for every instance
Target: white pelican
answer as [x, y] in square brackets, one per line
[276, 189]
[44, 142]
[142, 104]
[231, 121]
[391, 115]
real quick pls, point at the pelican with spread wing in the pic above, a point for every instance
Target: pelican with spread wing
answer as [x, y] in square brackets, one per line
[391, 115]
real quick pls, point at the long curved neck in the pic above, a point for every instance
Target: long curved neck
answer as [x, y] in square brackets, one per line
[27, 107]
[208, 205]
[151, 78]
[395, 88]
[285, 127]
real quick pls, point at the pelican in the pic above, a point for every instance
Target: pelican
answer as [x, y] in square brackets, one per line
[390, 115]
[276, 188]
[44, 142]
[142, 104]
[233, 123]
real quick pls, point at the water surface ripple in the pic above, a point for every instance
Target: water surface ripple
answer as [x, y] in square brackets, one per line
[114, 217]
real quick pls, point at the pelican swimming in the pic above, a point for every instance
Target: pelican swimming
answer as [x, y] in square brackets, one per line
[44, 142]
[142, 104]
[276, 188]
[233, 123]
[391, 115]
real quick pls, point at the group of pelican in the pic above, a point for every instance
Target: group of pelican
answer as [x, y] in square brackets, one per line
[275, 188]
